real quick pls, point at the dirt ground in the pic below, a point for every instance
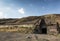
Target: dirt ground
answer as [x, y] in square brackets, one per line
[9, 36]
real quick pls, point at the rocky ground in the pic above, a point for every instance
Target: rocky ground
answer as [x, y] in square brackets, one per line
[27, 37]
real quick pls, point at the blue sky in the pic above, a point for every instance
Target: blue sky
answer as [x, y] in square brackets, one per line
[24, 8]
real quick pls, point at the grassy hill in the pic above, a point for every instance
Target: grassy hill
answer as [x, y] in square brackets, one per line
[30, 19]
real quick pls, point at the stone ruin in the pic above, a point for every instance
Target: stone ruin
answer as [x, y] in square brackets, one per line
[45, 27]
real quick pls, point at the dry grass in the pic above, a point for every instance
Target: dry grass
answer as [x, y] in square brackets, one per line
[18, 29]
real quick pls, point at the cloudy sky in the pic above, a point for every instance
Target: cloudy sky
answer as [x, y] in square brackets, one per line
[24, 8]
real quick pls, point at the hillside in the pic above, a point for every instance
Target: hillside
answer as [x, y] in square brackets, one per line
[30, 19]
[12, 21]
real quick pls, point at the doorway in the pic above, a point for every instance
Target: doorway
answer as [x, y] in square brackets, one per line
[44, 31]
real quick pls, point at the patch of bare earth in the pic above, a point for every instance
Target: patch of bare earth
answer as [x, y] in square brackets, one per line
[27, 37]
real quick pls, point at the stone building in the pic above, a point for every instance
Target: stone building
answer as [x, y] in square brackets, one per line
[46, 27]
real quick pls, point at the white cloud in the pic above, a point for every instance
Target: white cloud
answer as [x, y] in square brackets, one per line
[2, 15]
[21, 11]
